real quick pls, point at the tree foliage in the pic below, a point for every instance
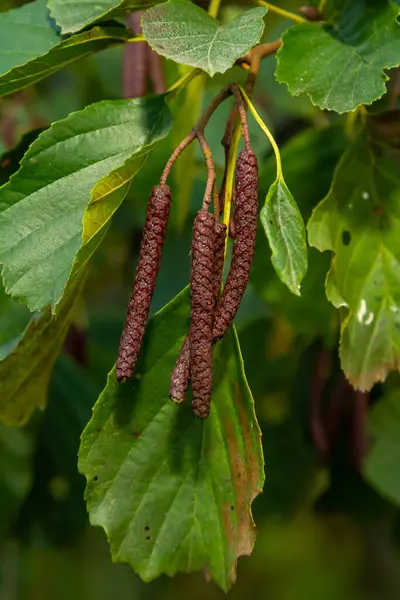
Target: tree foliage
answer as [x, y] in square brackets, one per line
[308, 360]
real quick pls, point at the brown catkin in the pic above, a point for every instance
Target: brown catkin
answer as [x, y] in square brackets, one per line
[202, 309]
[181, 374]
[246, 211]
[145, 280]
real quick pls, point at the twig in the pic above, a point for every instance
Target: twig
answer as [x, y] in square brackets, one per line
[176, 153]
[243, 116]
[210, 168]
[311, 12]
[282, 12]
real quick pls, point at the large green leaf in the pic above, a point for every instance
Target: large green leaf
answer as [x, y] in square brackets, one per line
[73, 15]
[30, 49]
[359, 221]
[341, 65]
[284, 227]
[381, 466]
[25, 371]
[41, 209]
[188, 35]
[173, 493]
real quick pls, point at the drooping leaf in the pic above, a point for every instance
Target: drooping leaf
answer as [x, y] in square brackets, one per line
[16, 449]
[381, 466]
[186, 34]
[340, 65]
[359, 221]
[173, 493]
[41, 209]
[73, 15]
[309, 160]
[25, 372]
[284, 227]
[30, 49]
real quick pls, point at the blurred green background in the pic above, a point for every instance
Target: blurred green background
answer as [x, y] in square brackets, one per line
[323, 532]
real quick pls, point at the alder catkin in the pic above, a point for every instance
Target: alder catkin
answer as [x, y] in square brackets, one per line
[202, 309]
[246, 211]
[181, 374]
[145, 280]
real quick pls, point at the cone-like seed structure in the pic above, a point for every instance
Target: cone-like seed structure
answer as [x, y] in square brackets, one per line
[145, 280]
[202, 310]
[181, 374]
[246, 211]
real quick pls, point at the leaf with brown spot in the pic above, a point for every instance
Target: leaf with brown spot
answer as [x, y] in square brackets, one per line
[181, 476]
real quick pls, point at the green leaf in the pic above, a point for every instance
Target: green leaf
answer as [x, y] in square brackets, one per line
[25, 372]
[73, 15]
[41, 209]
[284, 227]
[359, 221]
[309, 159]
[30, 49]
[173, 493]
[16, 451]
[340, 65]
[188, 35]
[381, 466]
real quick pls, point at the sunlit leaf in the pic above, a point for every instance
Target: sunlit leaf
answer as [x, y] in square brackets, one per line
[173, 493]
[73, 15]
[41, 209]
[186, 34]
[359, 221]
[341, 65]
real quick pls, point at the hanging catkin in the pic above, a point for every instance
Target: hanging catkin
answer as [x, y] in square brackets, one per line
[202, 310]
[181, 374]
[145, 280]
[246, 209]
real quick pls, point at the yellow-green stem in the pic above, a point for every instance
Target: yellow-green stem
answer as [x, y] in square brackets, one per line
[265, 130]
[183, 81]
[230, 174]
[282, 12]
[214, 8]
[136, 39]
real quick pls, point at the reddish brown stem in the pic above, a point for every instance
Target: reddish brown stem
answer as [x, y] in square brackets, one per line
[210, 168]
[135, 61]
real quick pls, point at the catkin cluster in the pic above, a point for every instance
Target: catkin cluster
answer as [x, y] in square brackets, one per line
[212, 312]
